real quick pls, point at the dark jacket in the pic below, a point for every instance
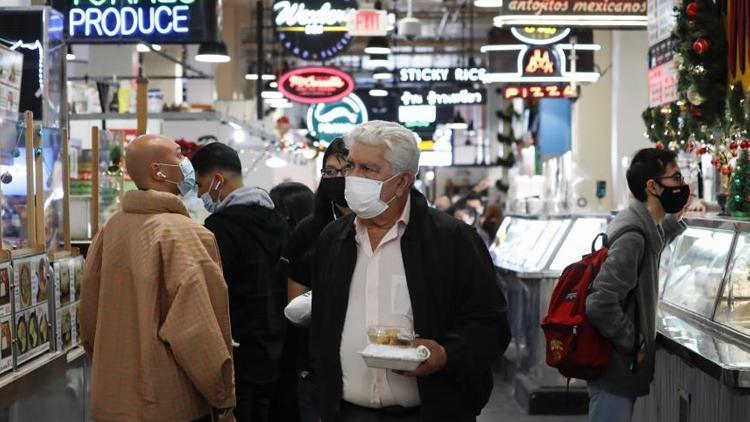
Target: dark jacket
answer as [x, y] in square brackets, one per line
[609, 307]
[251, 240]
[455, 298]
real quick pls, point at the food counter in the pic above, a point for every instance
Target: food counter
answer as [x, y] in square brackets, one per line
[703, 323]
[530, 255]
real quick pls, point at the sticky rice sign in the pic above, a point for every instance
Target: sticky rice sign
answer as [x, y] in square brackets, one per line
[155, 21]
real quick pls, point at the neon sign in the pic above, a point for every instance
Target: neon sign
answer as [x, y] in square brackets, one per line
[328, 121]
[164, 21]
[438, 98]
[313, 29]
[539, 62]
[312, 85]
[441, 74]
[539, 91]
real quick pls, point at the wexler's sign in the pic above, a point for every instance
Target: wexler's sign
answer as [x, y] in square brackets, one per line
[156, 21]
[313, 29]
[578, 13]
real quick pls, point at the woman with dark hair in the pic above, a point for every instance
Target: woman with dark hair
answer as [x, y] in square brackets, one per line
[329, 205]
[294, 202]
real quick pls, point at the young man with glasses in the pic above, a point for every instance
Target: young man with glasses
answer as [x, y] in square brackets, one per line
[624, 295]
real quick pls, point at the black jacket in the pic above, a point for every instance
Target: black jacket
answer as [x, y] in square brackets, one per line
[251, 241]
[455, 298]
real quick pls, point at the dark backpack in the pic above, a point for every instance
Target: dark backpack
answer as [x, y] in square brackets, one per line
[574, 346]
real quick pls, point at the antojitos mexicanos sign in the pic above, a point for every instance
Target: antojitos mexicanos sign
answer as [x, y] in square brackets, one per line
[312, 85]
[164, 21]
[313, 29]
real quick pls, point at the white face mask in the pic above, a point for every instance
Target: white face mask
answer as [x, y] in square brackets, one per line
[363, 196]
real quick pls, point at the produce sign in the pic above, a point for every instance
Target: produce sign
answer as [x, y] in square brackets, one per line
[329, 121]
[311, 85]
[156, 21]
[313, 29]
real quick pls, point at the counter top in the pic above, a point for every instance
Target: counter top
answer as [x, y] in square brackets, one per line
[713, 349]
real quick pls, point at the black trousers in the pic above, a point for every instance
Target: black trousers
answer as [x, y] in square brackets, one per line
[253, 402]
[352, 413]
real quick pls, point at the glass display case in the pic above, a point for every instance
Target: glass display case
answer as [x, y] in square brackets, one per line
[734, 304]
[697, 269]
[578, 242]
[527, 244]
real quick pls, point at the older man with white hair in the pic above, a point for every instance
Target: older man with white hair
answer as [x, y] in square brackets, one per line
[397, 262]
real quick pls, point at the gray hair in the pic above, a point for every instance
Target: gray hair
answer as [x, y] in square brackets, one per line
[402, 151]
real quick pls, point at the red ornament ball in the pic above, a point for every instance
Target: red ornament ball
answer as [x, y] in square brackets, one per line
[692, 10]
[659, 146]
[696, 112]
[745, 144]
[747, 198]
[701, 45]
[733, 145]
[702, 150]
[714, 162]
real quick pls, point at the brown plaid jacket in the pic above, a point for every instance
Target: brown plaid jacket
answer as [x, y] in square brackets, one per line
[155, 315]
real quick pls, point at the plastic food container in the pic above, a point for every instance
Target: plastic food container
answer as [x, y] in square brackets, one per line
[391, 336]
[394, 357]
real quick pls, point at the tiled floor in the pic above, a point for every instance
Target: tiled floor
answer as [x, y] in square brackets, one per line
[503, 408]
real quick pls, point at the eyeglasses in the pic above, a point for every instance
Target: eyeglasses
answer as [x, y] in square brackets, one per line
[676, 178]
[335, 172]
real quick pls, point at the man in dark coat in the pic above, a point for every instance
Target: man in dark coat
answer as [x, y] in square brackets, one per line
[398, 262]
[251, 237]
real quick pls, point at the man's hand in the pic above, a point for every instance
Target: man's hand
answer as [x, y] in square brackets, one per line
[686, 208]
[642, 353]
[436, 362]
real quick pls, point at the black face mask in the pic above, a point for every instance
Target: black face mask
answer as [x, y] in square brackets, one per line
[332, 189]
[674, 198]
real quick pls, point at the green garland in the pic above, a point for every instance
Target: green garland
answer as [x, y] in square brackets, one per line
[701, 59]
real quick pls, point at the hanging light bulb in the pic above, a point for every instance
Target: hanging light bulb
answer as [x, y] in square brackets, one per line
[382, 74]
[377, 45]
[458, 123]
[213, 52]
[379, 60]
[70, 56]
[276, 162]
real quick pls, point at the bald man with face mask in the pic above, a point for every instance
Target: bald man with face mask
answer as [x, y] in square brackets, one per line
[154, 307]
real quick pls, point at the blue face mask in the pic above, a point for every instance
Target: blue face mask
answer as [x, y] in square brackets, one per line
[209, 202]
[187, 184]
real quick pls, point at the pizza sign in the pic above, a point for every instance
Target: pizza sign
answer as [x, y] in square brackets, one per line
[312, 85]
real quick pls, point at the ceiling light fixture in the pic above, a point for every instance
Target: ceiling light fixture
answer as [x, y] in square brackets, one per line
[276, 163]
[213, 52]
[379, 60]
[142, 48]
[378, 92]
[458, 123]
[382, 74]
[377, 45]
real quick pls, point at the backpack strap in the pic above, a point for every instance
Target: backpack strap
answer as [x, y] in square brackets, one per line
[631, 294]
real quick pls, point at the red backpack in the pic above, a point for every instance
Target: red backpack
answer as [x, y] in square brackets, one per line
[574, 346]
